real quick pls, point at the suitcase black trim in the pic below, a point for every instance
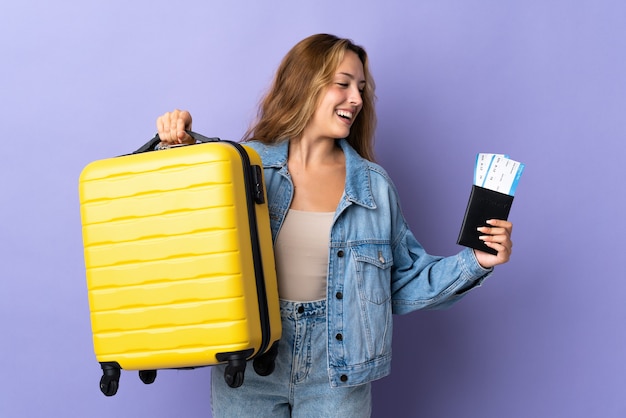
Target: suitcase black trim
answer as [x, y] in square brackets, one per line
[254, 195]
[253, 180]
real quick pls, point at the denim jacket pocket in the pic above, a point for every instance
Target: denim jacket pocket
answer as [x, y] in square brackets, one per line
[373, 263]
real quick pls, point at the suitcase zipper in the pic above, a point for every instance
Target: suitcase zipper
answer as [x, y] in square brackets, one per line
[254, 195]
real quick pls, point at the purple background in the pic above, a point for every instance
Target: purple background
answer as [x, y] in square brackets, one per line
[544, 81]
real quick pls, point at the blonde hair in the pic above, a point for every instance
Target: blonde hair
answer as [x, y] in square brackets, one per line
[300, 79]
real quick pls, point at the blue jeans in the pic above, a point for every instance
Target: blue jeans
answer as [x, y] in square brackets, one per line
[299, 386]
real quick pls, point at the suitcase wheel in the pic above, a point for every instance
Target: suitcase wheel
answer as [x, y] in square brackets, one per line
[235, 367]
[234, 373]
[109, 385]
[147, 376]
[265, 363]
[110, 380]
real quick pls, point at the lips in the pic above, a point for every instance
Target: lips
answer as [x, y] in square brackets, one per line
[345, 114]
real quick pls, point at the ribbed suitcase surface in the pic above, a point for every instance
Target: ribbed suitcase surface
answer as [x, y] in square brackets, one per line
[169, 261]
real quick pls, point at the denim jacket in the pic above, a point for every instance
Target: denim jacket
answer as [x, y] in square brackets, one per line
[376, 266]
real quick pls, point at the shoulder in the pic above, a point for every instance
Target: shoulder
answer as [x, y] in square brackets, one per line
[357, 165]
[272, 155]
[383, 187]
[379, 172]
[367, 182]
[255, 145]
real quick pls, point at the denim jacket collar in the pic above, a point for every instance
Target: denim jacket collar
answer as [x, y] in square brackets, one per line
[358, 187]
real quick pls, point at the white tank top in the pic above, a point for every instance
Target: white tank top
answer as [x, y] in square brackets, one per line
[301, 252]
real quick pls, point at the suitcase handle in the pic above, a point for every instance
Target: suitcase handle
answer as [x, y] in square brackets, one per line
[151, 144]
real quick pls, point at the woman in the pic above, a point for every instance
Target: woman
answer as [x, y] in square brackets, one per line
[345, 257]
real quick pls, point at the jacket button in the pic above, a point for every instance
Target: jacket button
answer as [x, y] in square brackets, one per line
[340, 253]
[339, 337]
[344, 378]
[339, 295]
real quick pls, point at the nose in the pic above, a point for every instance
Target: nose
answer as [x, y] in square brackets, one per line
[355, 98]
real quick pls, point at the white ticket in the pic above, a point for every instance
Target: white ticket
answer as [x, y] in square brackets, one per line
[497, 172]
[483, 162]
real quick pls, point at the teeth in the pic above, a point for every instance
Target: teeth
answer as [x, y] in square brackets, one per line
[344, 114]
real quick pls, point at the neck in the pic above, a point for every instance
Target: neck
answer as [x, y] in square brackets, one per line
[306, 151]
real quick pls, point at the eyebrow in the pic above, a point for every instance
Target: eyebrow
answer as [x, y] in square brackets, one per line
[352, 77]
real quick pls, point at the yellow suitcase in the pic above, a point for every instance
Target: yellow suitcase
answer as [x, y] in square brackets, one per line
[179, 261]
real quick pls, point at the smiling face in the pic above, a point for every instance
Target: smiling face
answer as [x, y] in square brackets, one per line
[340, 102]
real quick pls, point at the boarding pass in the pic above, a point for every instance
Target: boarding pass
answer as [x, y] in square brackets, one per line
[497, 172]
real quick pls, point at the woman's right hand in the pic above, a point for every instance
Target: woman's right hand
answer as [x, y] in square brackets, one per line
[171, 127]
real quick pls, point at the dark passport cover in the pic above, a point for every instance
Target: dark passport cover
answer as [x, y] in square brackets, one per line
[484, 204]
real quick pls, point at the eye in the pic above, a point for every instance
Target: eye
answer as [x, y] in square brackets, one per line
[343, 85]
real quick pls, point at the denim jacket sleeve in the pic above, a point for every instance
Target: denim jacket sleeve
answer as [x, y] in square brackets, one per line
[423, 281]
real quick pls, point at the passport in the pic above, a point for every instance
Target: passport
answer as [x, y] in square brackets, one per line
[496, 177]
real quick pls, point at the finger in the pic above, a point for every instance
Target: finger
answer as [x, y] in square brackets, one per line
[181, 134]
[503, 252]
[163, 129]
[159, 125]
[488, 231]
[162, 126]
[503, 239]
[501, 224]
[185, 116]
[173, 126]
[502, 228]
[499, 243]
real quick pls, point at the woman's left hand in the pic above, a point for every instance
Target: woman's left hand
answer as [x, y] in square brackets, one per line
[497, 236]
